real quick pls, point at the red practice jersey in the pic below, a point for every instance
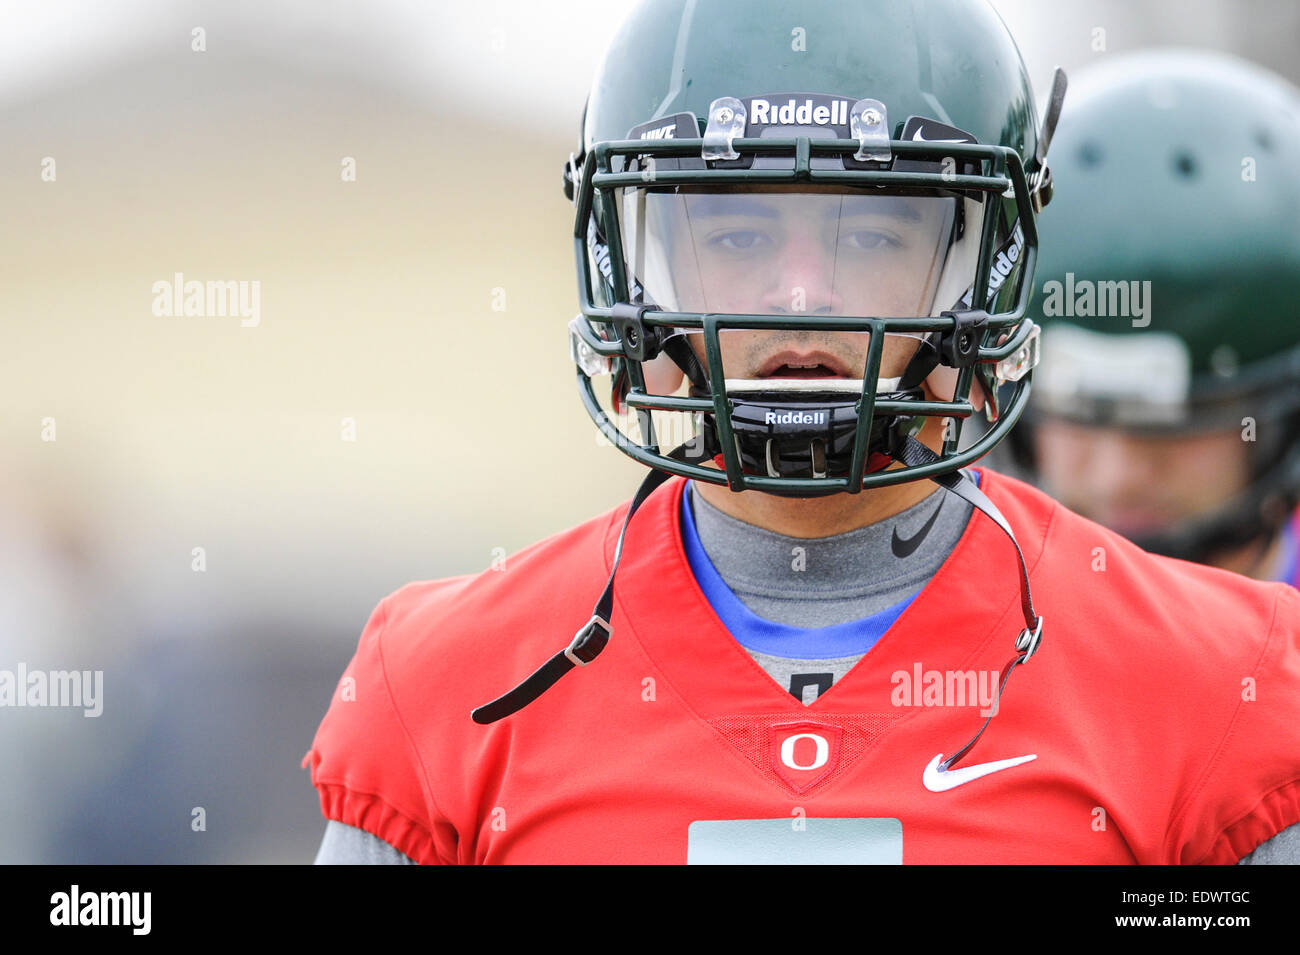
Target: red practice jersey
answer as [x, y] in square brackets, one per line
[1159, 722]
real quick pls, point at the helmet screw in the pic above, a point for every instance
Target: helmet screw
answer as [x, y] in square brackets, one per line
[632, 337]
[725, 115]
[871, 117]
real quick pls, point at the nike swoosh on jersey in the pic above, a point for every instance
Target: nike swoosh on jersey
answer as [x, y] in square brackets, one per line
[906, 547]
[937, 781]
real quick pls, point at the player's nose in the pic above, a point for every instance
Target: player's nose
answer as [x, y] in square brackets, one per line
[803, 279]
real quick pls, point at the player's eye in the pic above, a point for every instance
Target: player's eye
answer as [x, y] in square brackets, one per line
[739, 240]
[870, 239]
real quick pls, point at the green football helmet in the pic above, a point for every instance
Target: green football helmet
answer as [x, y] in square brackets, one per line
[751, 172]
[817, 219]
[1169, 267]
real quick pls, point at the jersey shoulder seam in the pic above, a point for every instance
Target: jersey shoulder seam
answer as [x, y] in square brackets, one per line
[1213, 763]
[406, 732]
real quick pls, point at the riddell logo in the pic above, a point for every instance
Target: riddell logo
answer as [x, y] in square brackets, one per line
[764, 112]
[1006, 259]
[1003, 263]
[795, 417]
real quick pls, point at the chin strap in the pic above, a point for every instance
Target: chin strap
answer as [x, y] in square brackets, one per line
[594, 634]
[592, 637]
[914, 453]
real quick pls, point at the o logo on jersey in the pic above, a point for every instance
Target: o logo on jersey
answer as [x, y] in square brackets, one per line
[804, 753]
[823, 751]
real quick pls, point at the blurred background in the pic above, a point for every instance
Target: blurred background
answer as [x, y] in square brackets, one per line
[208, 508]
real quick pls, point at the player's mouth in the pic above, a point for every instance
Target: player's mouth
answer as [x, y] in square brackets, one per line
[796, 364]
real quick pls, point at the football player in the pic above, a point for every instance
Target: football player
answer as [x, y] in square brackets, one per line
[805, 238]
[1168, 402]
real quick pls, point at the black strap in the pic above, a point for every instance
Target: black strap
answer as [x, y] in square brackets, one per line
[679, 349]
[592, 637]
[915, 453]
[924, 360]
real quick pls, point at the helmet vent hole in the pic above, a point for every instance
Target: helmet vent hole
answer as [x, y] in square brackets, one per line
[817, 454]
[1264, 139]
[1090, 154]
[1185, 165]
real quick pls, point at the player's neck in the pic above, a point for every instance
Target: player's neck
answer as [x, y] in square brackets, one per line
[818, 516]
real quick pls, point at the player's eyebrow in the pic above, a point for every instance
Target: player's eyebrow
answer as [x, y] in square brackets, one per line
[731, 205]
[897, 207]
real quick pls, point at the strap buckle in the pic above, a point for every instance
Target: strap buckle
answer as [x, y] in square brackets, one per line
[1041, 188]
[587, 643]
[641, 342]
[959, 346]
[1028, 642]
[573, 175]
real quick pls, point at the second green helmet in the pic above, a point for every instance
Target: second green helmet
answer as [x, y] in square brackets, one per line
[1169, 266]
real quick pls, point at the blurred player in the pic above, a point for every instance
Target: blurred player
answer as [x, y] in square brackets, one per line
[1168, 404]
[805, 239]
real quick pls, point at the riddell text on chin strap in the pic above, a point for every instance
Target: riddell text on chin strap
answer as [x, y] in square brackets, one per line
[592, 637]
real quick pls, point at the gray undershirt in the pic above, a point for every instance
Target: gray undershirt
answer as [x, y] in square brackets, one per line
[825, 581]
[806, 583]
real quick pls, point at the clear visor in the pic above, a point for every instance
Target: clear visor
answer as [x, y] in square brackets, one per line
[787, 249]
[803, 251]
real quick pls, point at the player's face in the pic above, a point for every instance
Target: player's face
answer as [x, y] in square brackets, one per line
[807, 251]
[1137, 484]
